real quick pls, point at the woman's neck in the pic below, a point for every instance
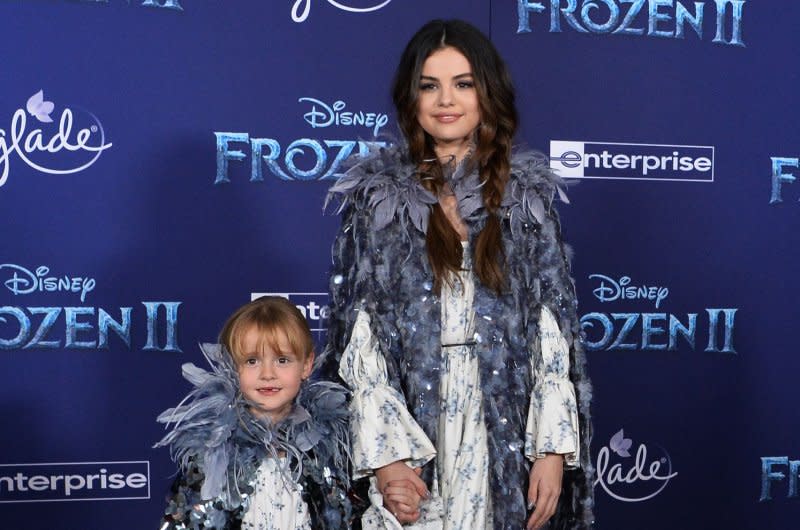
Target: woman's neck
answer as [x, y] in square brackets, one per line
[449, 205]
[453, 151]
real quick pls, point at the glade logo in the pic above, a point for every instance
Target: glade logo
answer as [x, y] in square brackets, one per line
[56, 152]
[636, 480]
[301, 8]
[323, 115]
[74, 481]
[24, 281]
[610, 290]
[770, 474]
[164, 4]
[318, 159]
[606, 160]
[661, 18]
[779, 178]
[652, 331]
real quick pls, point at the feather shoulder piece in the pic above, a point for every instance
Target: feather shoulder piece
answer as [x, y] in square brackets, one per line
[325, 440]
[532, 188]
[386, 182]
[213, 432]
[206, 422]
[327, 428]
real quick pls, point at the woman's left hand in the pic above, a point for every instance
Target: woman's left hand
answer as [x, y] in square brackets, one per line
[544, 489]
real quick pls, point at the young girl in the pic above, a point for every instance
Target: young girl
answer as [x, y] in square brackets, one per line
[259, 447]
[454, 318]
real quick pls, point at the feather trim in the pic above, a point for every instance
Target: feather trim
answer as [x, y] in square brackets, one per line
[387, 182]
[386, 273]
[531, 190]
[213, 431]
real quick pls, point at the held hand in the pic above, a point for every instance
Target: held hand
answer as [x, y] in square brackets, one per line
[402, 490]
[544, 489]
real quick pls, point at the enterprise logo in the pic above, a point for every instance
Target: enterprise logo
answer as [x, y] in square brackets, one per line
[617, 161]
[74, 481]
[313, 306]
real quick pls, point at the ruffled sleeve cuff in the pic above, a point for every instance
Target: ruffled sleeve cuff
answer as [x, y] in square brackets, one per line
[553, 422]
[553, 413]
[383, 430]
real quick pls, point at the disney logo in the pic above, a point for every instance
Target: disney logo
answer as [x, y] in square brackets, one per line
[323, 115]
[301, 8]
[24, 281]
[26, 143]
[617, 479]
[610, 290]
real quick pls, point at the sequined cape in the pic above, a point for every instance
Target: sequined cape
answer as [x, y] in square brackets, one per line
[218, 445]
[380, 265]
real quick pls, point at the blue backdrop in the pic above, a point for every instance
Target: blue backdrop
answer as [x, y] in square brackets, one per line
[163, 161]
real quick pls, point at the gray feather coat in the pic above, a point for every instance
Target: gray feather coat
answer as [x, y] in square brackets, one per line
[380, 265]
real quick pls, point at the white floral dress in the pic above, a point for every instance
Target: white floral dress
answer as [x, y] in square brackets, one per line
[276, 503]
[383, 430]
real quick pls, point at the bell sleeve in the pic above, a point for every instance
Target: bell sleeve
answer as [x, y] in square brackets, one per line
[552, 425]
[382, 429]
[558, 416]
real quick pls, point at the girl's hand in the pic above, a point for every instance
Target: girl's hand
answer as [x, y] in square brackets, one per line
[402, 490]
[544, 489]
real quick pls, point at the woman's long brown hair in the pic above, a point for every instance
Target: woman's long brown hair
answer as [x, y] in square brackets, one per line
[491, 156]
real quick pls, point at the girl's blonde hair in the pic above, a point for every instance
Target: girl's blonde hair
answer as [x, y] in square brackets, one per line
[273, 317]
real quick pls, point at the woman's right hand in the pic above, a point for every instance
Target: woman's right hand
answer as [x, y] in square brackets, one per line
[402, 490]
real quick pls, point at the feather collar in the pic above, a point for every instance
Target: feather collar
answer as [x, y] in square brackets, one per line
[214, 428]
[386, 181]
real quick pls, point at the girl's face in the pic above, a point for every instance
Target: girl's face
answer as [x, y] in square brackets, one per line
[271, 378]
[448, 107]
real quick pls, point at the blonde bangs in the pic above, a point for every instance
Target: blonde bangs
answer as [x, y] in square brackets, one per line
[275, 319]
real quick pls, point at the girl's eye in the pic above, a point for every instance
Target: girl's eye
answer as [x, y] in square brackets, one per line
[284, 360]
[252, 361]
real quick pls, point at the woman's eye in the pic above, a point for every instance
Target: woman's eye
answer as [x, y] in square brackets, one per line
[427, 86]
[465, 84]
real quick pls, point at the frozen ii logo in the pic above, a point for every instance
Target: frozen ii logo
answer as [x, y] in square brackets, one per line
[49, 141]
[303, 159]
[776, 471]
[782, 168]
[75, 326]
[668, 19]
[632, 475]
[302, 8]
[174, 5]
[656, 329]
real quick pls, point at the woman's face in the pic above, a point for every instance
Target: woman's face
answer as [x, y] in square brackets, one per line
[448, 108]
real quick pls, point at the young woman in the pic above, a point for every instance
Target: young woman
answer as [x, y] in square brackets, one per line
[453, 312]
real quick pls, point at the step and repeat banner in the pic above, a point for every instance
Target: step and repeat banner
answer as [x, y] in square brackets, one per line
[164, 161]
